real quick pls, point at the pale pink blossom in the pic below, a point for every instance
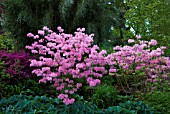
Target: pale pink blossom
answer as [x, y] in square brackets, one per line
[138, 36]
[60, 29]
[30, 35]
[45, 28]
[41, 32]
[36, 36]
[131, 41]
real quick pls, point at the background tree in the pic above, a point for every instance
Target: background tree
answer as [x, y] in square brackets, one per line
[97, 16]
[150, 19]
[1, 11]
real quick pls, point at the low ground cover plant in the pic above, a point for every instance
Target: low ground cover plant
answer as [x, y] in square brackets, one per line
[48, 105]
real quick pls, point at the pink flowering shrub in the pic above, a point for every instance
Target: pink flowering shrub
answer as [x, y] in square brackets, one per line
[64, 59]
[139, 68]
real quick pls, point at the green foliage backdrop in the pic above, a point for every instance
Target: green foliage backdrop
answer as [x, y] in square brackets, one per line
[97, 16]
[150, 19]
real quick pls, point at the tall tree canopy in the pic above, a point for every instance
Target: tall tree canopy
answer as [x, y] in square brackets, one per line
[97, 16]
[150, 19]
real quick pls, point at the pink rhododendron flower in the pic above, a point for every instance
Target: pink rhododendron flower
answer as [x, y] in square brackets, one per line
[45, 28]
[92, 83]
[30, 35]
[34, 51]
[78, 85]
[44, 80]
[153, 42]
[60, 29]
[66, 91]
[112, 70]
[36, 36]
[138, 36]
[131, 41]
[41, 32]
[117, 48]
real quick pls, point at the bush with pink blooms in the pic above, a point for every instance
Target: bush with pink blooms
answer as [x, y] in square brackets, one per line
[65, 60]
[70, 62]
[140, 67]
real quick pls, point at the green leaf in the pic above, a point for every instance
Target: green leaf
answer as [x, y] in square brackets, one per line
[118, 109]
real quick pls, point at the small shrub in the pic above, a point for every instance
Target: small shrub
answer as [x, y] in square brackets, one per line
[139, 68]
[19, 83]
[28, 86]
[104, 96]
[160, 101]
[12, 86]
[16, 63]
[6, 42]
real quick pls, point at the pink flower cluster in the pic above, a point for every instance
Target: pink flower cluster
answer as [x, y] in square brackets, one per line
[62, 58]
[140, 57]
[65, 99]
[65, 58]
